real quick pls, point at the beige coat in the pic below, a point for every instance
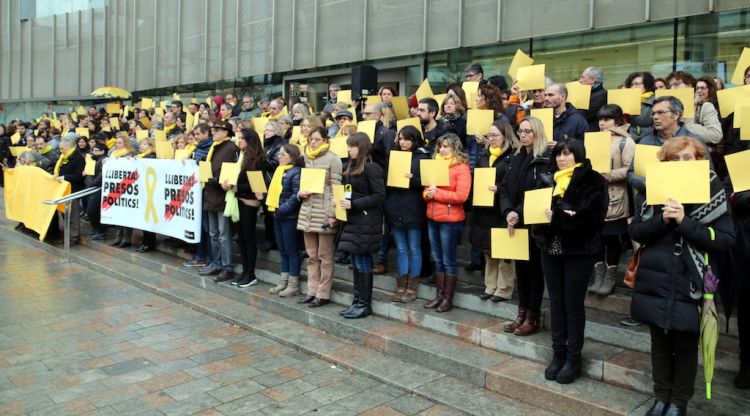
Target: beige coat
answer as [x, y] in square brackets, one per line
[706, 124]
[617, 182]
[317, 209]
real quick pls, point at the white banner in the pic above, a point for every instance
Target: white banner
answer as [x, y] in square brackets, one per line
[163, 196]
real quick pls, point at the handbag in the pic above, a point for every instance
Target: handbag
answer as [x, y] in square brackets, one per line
[631, 270]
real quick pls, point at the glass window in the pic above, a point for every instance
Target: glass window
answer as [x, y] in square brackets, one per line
[53, 7]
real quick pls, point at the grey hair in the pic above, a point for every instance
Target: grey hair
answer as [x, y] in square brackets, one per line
[475, 68]
[596, 73]
[285, 118]
[336, 86]
[561, 89]
[302, 108]
[69, 140]
[675, 105]
[276, 127]
[264, 100]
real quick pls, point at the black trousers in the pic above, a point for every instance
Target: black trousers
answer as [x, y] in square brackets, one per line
[93, 210]
[567, 280]
[247, 239]
[674, 358]
[529, 280]
[149, 239]
[268, 224]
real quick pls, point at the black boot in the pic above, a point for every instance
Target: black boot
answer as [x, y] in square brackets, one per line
[362, 308]
[674, 410]
[558, 361]
[658, 408]
[571, 370]
[355, 293]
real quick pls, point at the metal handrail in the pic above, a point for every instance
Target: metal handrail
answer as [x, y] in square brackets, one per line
[73, 196]
[67, 200]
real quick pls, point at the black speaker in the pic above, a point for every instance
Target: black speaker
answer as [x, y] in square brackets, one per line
[364, 81]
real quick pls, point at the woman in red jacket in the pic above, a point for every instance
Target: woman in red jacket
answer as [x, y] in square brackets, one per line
[445, 214]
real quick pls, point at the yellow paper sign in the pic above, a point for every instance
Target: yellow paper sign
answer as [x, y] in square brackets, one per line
[260, 124]
[55, 124]
[113, 108]
[745, 124]
[114, 122]
[189, 121]
[17, 150]
[204, 169]
[81, 111]
[141, 134]
[399, 164]
[160, 135]
[440, 98]
[598, 150]
[531, 78]
[629, 99]
[738, 76]
[367, 127]
[176, 96]
[685, 95]
[535, 202]
[579, 95]
[82, 131]
[107, 128]
[741, 105]
[15, 138]
[164, 150]
[126, 111]
[339, 147]
[74, 116]
[738, 165]
[434, 172]
[182, 154]
[230, 172]
[373, 99]
[520, 60]
[296, 134]
[645, 155]
[338, 196]
[146, 122]
[147, 103]
[424, 90]
[411, 121]
[400, 107]
[90, 167]
[159, 111]
[547, 117]
[728, 97]
[312, 180]
[344, 96]
[478, 122]
[686, 182]
[164, 104]
[257, 183]
[483, 179]
[503, 246]
[470, 89]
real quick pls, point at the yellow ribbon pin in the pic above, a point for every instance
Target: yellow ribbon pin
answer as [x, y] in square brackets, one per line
[150, 189]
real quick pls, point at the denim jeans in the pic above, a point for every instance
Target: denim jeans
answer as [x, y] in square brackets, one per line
[444, 239]
[288, 241]
[203, 249]
[362, 262]
[221, 239]
[385, 244]
[408, 250]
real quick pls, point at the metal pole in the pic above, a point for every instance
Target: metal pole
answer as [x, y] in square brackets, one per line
[66, 233]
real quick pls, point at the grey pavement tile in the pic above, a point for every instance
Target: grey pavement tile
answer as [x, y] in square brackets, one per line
[333, 392]
[189, 405]
[296, 406]
[186, 390]
[213, 355]
[234, 375]
[172, 366]
[410, 404]
[245, 405]
[327, 376]
[128, 378]
[133, 364]
[365, 400]
[275, 363]
[235, 391]
[293, 388]
[270, 379]
[333, 409]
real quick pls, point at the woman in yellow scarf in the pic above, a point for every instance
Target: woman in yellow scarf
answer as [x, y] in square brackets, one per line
[122, 148]
[642, 125]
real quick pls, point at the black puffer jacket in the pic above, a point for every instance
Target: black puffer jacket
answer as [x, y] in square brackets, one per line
[578, 234]
[486, 218]
[405, 207]
[383, 142]
[72, 171]
[288, 202]
[271, 149]
[364, 225]
[525, 173]
[455, 125]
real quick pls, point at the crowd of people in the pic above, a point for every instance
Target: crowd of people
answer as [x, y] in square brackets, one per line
[593, 219]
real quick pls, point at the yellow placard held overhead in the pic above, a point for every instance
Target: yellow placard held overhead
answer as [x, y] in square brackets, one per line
[296, 135]
[339, 147]
[741, 105]
[520, 60]
[74, 116]
[204, 169]
[257, 183]
[745, 124]
[15, 138]
[55, 124]
[645, 155]
[629, 99]
[373, 99]
[90, 167]
[686, 97]
[531, 78]
[738, 76]
[147, 103]
[579, 95]
[159, 111]
[260, 125]
[411, 121]
[113, 108]
[114, 122]
[440, 98]
[164, 150]
[399, 164]
[164, 104]
[547, 117]
[230, 172]
[367, 127]
[470, 89]
[424, 90]
[189, 121]
[338, 196]
[160, 136]
[686, 182]
[503, 246]
[478, 122]
[738, 165]
[17, 150]
[598, 150]
[535, 202]
[141, 134]
[82, 131]
[146, 122]
[728, 97]
[81, 111]
[182, 154]
[312, 180]
[434, 172]
[344, 96]
[400, 106]
[483, 179]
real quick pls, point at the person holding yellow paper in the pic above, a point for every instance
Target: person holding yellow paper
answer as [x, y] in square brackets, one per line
[705, 123]
[69, 167]
[445, 214]
[568, 122]
[569, 245]
[427, 110]
[307, 125]
[123, 147]
[499, 275]
[642, 125]
[454, 115]
[385, 132]
[594, 76]
[529, 163]
[676, 241]
[146, 148]
[272, 141]
[317, 220]
[93, 204]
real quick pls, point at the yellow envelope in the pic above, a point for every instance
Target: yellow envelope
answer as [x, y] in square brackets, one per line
[114, 122]
[531, 78]
[312, 180]
[598, 150]
[547, 117]
[296, 134]
[686, 182]
[257, 183]
[260, 124]
[344, 96]
[81, 111]
[411, 121]
[146, 122]
[645, 155]
[204, 169]
[399, 164]
[629, 99]
[147, 103]
[685, 95]
[741, 105]
[400, 107]
[338, 196]
[738, 165]
[373, 99]
[745, 125]
[141, 134]
[520, 60]
[535, 202]
[230, 172]
[160, 135]
[470, 89]
[483, 179]
[17, 150]
[113, 108]
[159, 111]
[15, 138]
[164, 150]
[424, 90]
[182, 154]
[505, 247]
[434, 172]
[738, 76]
[339, 147]
[90, 167]
[579, 95]
[82, 131]
[478, 122]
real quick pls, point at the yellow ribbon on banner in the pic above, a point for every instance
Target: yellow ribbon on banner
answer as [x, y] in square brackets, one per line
[150, 189]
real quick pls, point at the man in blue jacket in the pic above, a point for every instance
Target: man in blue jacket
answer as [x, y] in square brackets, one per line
[568, 122]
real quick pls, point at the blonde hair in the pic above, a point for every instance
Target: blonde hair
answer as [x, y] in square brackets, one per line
[314, 122]
[149, 141]
[122, 135]
[388, 117]
[455, 143]
[451, 95]
[675, 145]
[540, 138]
[349, 129]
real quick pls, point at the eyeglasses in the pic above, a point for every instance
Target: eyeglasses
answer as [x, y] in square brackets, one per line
[494, 135]
[367, 114]
[524, 131]
[660, 113]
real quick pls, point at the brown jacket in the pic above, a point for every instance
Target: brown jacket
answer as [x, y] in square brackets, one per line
[617, 179]
[213, 195]
[317, 209]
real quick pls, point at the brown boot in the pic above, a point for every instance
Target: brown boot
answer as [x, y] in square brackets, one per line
[411, 290]
[450, 289]
[401, 281]
[530, 325]
[516, 322]
[440, 283]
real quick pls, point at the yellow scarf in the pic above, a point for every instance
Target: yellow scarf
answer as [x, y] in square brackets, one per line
[62, 160]
[144, 154]
[211, 150]
[451, 159]
[190, 148]
[495, 152]
[562, 180]
[46, 149]
[167, 129]
[110, 143]
[312, 154]
[274, 191]
[120, 153]
[646, 95]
